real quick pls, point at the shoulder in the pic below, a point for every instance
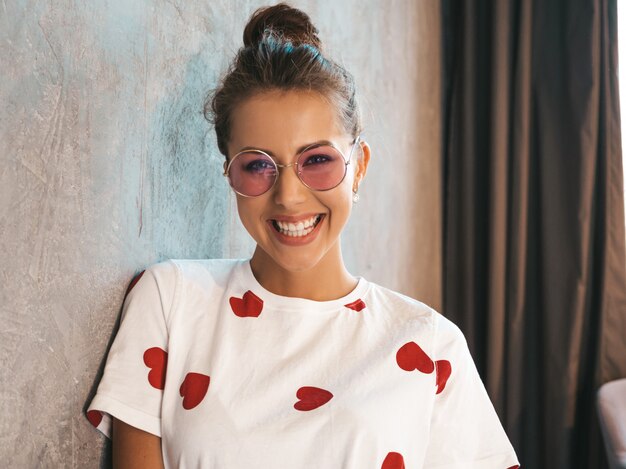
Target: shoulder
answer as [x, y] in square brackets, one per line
[171, 279]
[399, 306]
[198, 280]
[153, 288]
[219, 271]
[185, 269]
[450, 342]
[408, 309]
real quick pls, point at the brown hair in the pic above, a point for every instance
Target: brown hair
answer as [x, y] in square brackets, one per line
[281, 52]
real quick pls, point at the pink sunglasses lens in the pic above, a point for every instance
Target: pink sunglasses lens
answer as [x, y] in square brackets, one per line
[252, 173]
[321, 168]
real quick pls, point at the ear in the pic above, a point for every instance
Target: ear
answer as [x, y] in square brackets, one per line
[362, 160]
[225, 165]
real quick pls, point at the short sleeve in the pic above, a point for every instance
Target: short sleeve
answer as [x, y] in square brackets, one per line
[131, 388]
[465, 431]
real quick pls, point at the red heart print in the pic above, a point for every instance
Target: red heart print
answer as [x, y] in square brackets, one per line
[155, 358]
[311, 398]
[393, 461]
[193, 389]
[94, 417]
[133, 282]
[357, 305]
[248, 306]
[411, 357]
[513, 467]
[444, 369]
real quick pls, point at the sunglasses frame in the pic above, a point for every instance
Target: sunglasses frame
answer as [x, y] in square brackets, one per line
[295, 164]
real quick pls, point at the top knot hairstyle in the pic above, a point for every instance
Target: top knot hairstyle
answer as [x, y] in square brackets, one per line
[283, 52]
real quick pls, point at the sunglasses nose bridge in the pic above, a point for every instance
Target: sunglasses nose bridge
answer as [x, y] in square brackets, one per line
[288, 189]
[285, 165]
[296, 170]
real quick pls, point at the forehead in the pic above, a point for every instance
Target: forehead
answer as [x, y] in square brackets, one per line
[283, 121]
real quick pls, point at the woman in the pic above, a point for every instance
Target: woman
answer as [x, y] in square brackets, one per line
[285, 359]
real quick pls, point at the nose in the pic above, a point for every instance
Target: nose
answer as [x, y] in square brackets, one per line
[289, 190]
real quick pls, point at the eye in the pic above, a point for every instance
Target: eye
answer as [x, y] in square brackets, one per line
[258, 166]
[317, 158]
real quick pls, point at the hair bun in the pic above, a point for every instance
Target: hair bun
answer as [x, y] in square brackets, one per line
[291, 24]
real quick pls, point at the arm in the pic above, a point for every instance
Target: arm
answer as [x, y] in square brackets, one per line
[465, 430]
[134, 448]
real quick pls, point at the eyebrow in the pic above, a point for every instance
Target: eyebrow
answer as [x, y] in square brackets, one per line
[298, 151]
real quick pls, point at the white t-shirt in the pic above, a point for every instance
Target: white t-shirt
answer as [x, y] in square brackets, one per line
[232, 376]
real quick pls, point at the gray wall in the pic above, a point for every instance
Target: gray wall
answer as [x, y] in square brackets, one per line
[108, 166]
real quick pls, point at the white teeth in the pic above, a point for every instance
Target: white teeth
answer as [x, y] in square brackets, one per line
[302, 228]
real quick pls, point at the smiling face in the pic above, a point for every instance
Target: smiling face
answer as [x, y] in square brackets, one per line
[281, 124]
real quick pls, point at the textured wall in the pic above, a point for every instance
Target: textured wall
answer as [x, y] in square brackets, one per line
[108, 166]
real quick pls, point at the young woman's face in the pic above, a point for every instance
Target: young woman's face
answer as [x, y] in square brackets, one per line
[281, 123]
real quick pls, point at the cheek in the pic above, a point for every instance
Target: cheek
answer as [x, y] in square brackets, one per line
[347, 184]
[340, 201]
[247, 210]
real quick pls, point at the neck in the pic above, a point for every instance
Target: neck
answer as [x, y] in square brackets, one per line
[327, 280]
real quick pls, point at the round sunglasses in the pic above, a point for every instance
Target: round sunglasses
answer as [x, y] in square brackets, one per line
[320, 167]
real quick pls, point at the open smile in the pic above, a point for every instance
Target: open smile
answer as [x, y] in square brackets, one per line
[296, 233]
[301, 228]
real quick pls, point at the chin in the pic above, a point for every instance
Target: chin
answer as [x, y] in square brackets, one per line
[296, 263]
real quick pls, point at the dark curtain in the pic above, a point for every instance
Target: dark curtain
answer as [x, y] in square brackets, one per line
[534, 257]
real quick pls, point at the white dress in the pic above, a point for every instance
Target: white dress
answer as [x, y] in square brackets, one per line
[232, 376]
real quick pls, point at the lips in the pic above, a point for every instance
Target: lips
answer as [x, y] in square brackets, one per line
[306, 236]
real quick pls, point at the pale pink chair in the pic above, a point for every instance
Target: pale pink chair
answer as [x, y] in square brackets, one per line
[612, 414]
